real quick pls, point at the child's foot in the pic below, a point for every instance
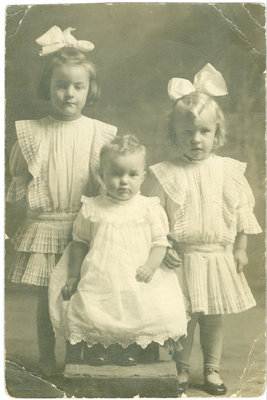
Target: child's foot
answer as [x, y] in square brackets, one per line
[120, 356]
[182, 379]
[213, 383]
[96, 355]
[125, 360]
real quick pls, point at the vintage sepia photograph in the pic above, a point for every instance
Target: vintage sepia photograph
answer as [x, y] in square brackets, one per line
[135, 200]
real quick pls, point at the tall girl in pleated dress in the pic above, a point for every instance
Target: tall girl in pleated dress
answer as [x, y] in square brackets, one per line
[110, 289]
[53, 163]
[210, 209]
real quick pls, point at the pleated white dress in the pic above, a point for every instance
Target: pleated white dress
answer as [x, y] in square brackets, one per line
[52, 164]
[207, 203]
[110, 306]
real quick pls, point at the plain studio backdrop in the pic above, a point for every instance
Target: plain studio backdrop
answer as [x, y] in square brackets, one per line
[138, 48]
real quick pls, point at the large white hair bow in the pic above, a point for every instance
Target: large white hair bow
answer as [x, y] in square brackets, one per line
[55, 39]
[208, 80]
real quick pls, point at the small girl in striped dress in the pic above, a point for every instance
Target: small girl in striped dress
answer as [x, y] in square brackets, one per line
[52, 164]
[210, 209]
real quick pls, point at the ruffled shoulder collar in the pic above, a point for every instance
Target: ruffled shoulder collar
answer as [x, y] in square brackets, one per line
[103, 207]
[234, 167]
[27, 141]
[172, 178]
[234, 171]
[103, 133]
[28, 134]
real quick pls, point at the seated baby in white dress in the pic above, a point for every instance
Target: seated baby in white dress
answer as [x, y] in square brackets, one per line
[110, 289]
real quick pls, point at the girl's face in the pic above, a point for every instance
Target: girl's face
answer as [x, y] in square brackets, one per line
[123, 175]
[195, 136]
[68, 91]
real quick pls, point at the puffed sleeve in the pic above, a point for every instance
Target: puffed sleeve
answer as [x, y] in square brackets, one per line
[81, 229]
[246, 220]
[20, 175]
[159, 223]
[82, 224]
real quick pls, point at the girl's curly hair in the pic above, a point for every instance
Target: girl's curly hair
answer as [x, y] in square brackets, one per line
[122, 145]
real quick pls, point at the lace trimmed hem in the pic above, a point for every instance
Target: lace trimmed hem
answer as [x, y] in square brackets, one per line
[125, 340]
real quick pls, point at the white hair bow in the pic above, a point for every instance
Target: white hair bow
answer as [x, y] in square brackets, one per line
[208, 80]
[55, 39]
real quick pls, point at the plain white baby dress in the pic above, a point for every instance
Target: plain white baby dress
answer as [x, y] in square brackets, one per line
[110, 306]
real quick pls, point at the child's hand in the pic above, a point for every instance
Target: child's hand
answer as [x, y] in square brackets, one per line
[241, 259]
[70, 288]
[144, 273]
[172, 259]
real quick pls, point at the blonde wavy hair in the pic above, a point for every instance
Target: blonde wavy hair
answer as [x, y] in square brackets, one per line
[195, 103]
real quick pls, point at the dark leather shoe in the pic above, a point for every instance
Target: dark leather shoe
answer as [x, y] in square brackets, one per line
[95, 355]
[182, 380]
[124, 359]
[96, 360]
[181, 388]
[216, 389]
[120, 356]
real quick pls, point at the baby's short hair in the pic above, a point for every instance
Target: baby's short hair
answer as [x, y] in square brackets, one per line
[69, 56]
[195, 103]
[122, 145]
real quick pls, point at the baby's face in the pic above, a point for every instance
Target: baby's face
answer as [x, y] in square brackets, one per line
[68, 91]
[123, 175]
[195, 136]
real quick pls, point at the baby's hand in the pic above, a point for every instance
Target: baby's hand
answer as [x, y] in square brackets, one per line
[70, 288]
[172, 259]
[144, 273]
[241, 259]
